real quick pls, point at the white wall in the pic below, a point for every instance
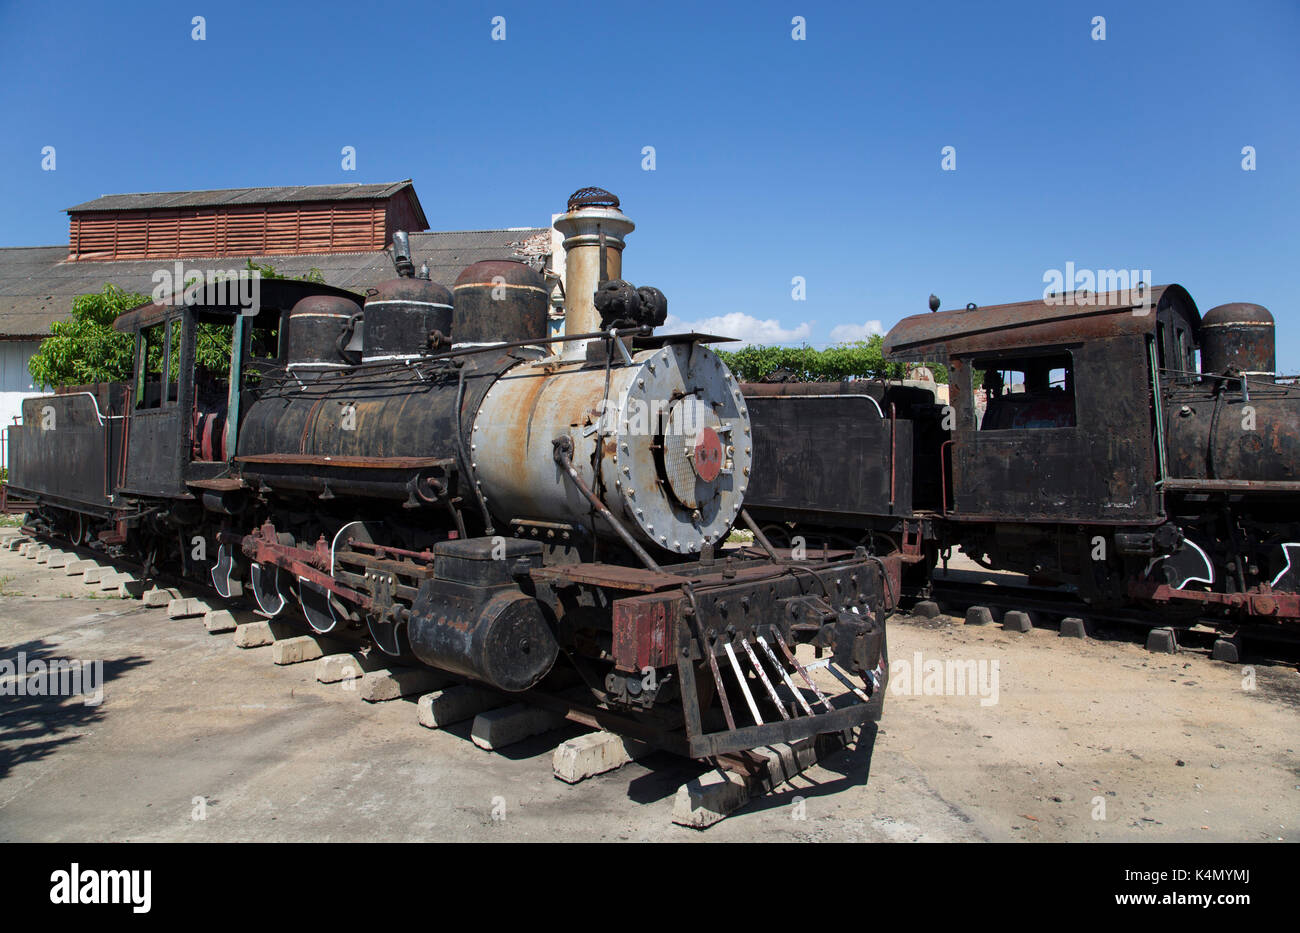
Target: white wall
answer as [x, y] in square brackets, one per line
[15, 383]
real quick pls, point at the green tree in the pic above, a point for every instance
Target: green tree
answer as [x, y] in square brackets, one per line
[85, 348]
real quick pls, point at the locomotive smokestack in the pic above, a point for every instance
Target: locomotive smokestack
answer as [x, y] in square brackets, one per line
[593, 230]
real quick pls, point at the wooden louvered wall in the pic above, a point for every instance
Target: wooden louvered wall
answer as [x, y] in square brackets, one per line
[239, 230]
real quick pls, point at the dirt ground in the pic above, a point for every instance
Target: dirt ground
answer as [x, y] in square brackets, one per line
[1080, 740]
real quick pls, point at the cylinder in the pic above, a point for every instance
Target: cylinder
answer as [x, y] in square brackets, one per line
[499, 300]
[472, 619]
[593, 216]
[405, 318]
[318, 326]
[1239, 336]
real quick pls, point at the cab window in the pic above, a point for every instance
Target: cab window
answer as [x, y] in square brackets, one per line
[1026, 393]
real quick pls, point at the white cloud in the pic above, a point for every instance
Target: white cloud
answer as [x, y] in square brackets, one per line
[747, 328]
[847, 333]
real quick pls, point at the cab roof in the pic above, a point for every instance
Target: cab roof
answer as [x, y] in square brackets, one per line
[1069, 318]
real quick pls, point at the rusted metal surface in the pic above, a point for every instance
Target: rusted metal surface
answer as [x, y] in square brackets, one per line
[643, 632]
[320, 326]
[499, 299]
[613, 576]
[352, 463]
[406, 317]
[938, 336]
[806, 457]
[1239, 338]
[1273, 605]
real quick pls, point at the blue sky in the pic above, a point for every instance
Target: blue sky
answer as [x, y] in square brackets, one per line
[774, 158]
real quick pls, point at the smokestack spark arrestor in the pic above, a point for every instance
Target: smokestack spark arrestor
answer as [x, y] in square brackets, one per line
[593, 230]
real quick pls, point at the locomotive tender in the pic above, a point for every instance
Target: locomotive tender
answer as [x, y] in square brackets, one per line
[1106, 459]
[424, 472]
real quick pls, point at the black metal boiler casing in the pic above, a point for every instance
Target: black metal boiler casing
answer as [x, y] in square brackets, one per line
[370, 431]
[1232, 438]
[473, 619]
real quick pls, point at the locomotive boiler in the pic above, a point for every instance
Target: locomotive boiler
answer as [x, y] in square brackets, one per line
[430, 471]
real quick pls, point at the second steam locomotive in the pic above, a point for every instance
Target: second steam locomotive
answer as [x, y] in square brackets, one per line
[1121, 445]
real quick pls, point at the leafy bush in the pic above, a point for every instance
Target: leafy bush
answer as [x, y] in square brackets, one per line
[862, 359]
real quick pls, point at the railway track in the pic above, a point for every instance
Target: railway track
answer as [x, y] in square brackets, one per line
[1052, 605]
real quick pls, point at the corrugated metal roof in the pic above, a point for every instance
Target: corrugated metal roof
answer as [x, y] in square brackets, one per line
[37, 283]
[156, 200]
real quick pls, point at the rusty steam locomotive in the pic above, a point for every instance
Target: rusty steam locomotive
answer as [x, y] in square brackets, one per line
[1084, 444]
[435, 473]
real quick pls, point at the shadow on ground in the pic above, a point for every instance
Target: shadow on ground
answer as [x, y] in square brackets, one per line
[34, 725]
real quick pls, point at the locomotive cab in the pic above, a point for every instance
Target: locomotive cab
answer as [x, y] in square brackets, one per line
[196, 361]
[1058, 436]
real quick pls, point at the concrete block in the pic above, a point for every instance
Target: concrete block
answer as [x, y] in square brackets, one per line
[261, 633]
[90, 576]
[156, 598]
[78, 568]
[979, 615]
[113, 581]
[303, 648]
[926, 609]
[187, 608]
[35, 553]
[787, 759]
[217, 621]
[349, 665]
[130, 589]
[456, 704]
[595, 753]
[382, 685]
[497, 728]
[1162, 641]
[711, 797]
[1014, 621]
[1226, 649]
[16, 542]
[56, 560]
[1073, 628]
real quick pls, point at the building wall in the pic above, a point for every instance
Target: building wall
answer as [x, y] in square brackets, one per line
[237, 230]
[15, 383]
